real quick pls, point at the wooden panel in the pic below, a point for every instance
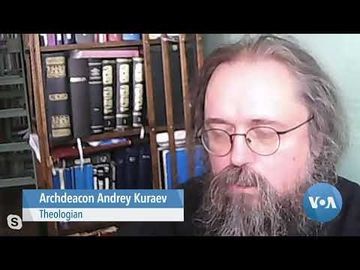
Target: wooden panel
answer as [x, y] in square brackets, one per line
[187, 103]
[169, 106]
[29, 86]
[151, 111]
[199, 51]
[36, 72]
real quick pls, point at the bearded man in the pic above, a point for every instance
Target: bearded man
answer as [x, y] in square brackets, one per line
[272, 126]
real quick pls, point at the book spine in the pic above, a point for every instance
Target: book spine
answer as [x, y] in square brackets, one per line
[78, 73]
[44, 40]
[123, 95]
[113, 37]
[57, 96]
[101, 38]
[132, 167]
[51, 40]
[68, 38]
[59, 39]
[134, 37]
[96, 96]
[138, 92]
[108, 76]
[84, 38]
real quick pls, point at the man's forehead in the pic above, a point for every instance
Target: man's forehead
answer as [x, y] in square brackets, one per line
[260, 93]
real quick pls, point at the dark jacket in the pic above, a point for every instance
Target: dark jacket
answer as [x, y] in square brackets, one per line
[347, 223]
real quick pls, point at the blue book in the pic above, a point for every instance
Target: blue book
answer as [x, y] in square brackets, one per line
[69, 181]
[182, 165]
[56, 180]
[83, 177]
[131, 36]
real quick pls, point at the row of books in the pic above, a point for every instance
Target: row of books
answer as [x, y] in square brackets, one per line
[79, 103]
[87, 38]
[93, 91]
[129, 168]
[51, 39]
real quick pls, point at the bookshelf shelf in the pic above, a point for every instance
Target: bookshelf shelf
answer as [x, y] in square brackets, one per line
[15, 112]
[16, 181]
[72, 152]
[12, 147]
[113, 134]
[11, 79]
[103, 136]
[114, 44]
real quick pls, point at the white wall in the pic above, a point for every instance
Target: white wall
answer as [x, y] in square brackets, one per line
[339, 55]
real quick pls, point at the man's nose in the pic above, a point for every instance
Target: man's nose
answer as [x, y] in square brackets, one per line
[240, 152]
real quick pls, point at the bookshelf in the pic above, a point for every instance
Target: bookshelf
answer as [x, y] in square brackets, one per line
[50, 152]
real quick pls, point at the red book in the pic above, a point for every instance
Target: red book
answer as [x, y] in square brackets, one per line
[113, 37]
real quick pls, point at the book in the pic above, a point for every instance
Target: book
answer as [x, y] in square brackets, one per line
[138, 107]
[80, 101]
[132, 167]
[59, 39]
[43, 40]
[182, 165]
[84, 38]
[119, 158]
[113, 37]
[109, 84]
[96, 96]
[57, 96]
[83, 176]
[123, 92]
[51, 40]
[100, 38]
[175, 73]
[134, 37]
[68, 39]
[144, 180]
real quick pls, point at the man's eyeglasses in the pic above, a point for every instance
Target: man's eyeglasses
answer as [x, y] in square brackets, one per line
[262, 140]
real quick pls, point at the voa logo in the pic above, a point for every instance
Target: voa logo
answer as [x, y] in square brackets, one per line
[315, 202]
[322, 202]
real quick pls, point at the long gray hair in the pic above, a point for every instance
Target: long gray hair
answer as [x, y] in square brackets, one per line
[328, 133]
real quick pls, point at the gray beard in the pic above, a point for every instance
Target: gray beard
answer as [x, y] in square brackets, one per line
[224, 214]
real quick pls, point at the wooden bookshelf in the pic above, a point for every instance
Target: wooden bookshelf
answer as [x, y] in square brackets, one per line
[88, 46]
[50, 152]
